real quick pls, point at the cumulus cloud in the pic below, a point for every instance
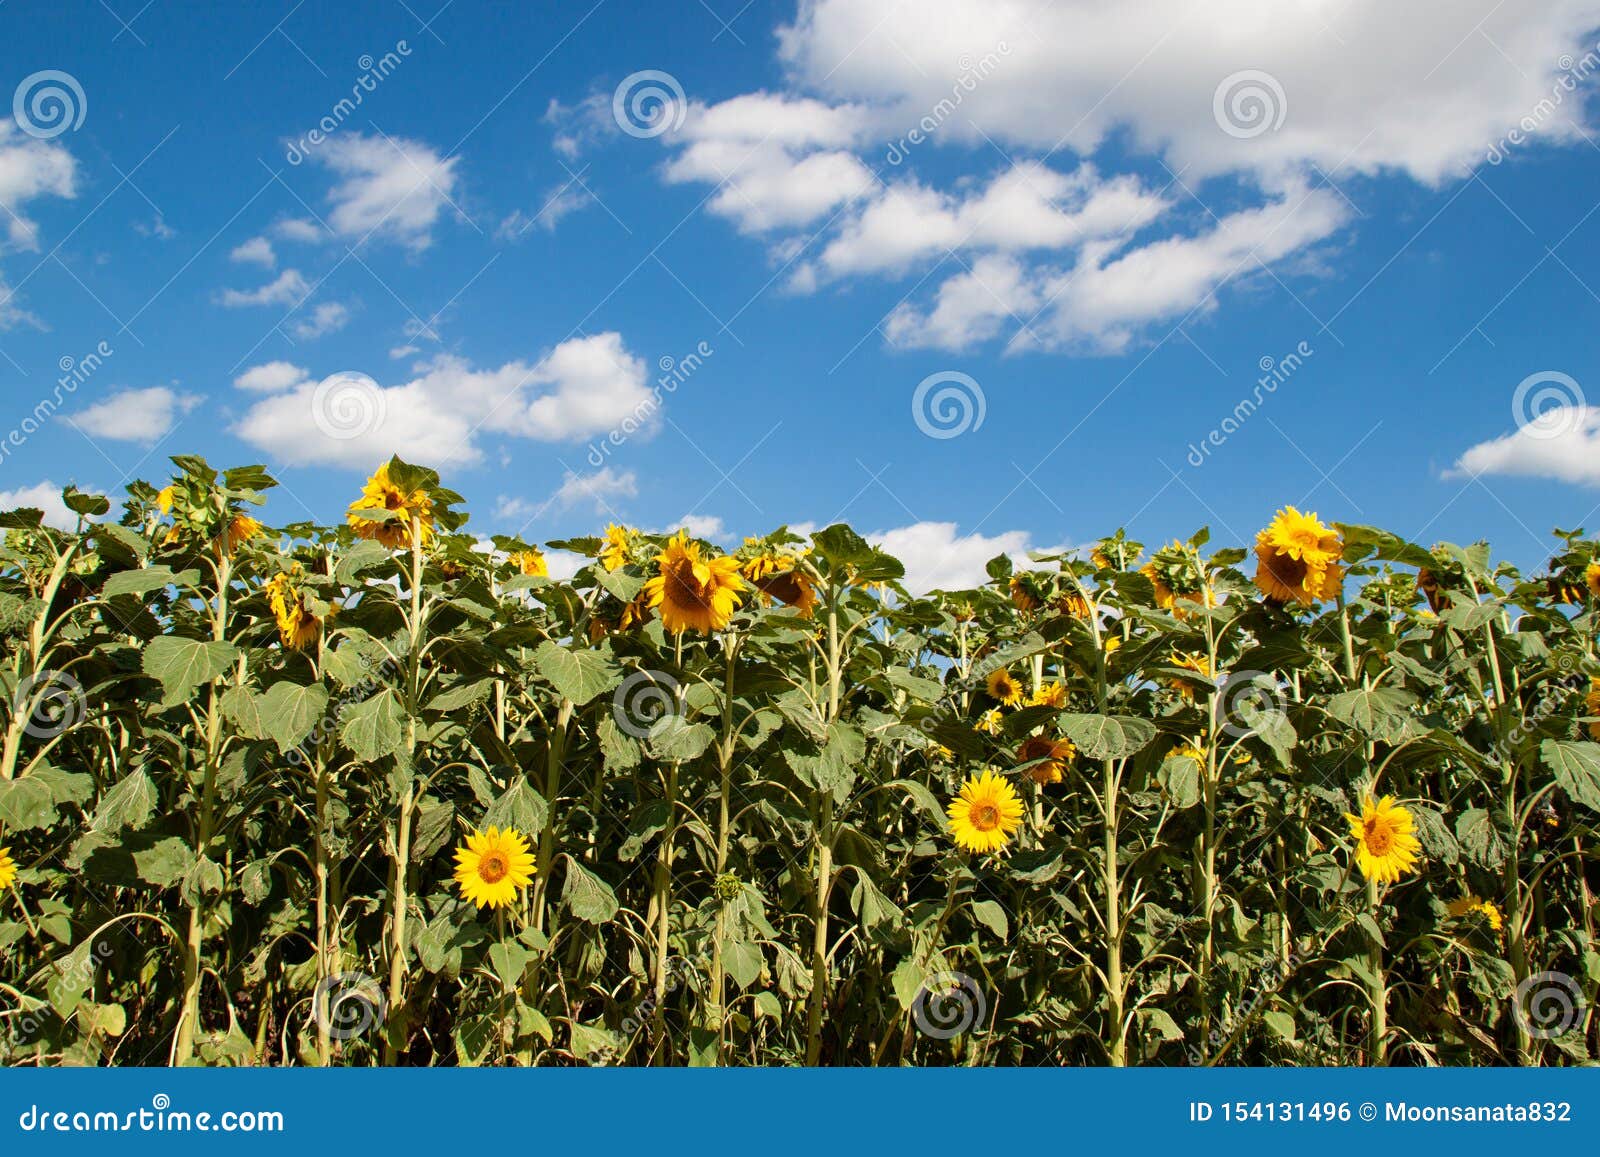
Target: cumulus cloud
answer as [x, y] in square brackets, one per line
[29, 169]
[1562, 443]
[389, 187]
[44, 496]
[270, 378]
[1034, 241]
[327, 317]
[583, 387]
[288, 288]
[256, 251]
[135, 415]
[938, 557]
[594, 490]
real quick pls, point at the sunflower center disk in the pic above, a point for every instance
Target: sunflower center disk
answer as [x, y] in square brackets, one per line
[986, 817]
[493, 868]
[1379, 838]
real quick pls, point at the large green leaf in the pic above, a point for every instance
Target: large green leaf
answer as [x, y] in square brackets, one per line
[1576, 767]
[289, 712]
[184, 664]
[1108, 736]
[577, 675]
[372, 727]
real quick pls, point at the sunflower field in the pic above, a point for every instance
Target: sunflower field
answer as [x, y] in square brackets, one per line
[387, 793]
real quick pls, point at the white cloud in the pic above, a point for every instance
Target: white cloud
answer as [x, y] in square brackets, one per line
[288, 288]
[557, 203]
[44, 496]
[157, 228]
[1104, 259]
[299, 229]
[595, 490]
[1562, 443]
[135, 415]
[270, 378]
[256, 251]
[707, 526]
[563, 564]
[936, 557]
[30, 169]
[389, 187]
[327, 317]
[583, 387]
[403, 351]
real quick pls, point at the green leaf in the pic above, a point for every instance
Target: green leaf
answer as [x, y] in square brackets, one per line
[1108, 736]
[1576, 768]
[673, 740]
[372, 728]
[992, 915]
[138, 582]
[289, 712]
[184, 664]
[587, 896]
[1480, 839]
[577, 675]
[164, 863]
[1377, 712]
[127, 805]
[520, 807]
[1280, 1024]
[1179, 775]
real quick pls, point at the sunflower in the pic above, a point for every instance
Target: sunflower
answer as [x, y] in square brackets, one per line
[1076, 606]
[1591, 578]
[380, 495]
[8, 869]
[298, 628]
[1469, 904]
[694, 593]
[989, 722]
[1591, 706]
[617, 550]
[1022, 595]
[164, 499]
[777, 576]
[530, 562]
[1003, 688]
[492, 866]
[1298, 559]
[985, 814]
[1386, 847]
[1050, 695]
[1428, 584]
[1055, 755]
[1197, 663]
[1188, 751]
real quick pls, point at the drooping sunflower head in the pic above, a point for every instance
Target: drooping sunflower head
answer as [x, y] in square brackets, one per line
[1025, 594]
[985, 813]
[1188, 751]
[779, 575]
[530, 562]
[241, 528]
[989, 722]
[1470, 905]
[693, 592]
[1386, 843]
[1049, 757]
[1049, 695]
[1591, 706]
[8, 868]
[1075, 606]
[1297, 559]
[298, 626]
[1175, 574]
[617, 548]
[385, 512]
[1003, 687]
[492, 865]
[1197, 663]
[1591, 578]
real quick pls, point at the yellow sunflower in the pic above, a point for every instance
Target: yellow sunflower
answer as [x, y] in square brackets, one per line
[1386, 846]
[241, 528]
[531, 562]
[492, 865]
[1591, 578]
[1003, 688]
[164, 499]
[1188, 751]
[1197, 663]
[1050, 695]
[1297, 559]
[298, 628]
[1056, 754]
[691, 592]
[989, 722]
[378, 495]
[1076, 606]
[1469, 904]
[1022, 596]
[1591, 706]
[8, 869]
[985, 814]
[617, 549]
[777, 576]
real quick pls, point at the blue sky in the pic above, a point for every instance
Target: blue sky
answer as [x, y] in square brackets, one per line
[1094, 233]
